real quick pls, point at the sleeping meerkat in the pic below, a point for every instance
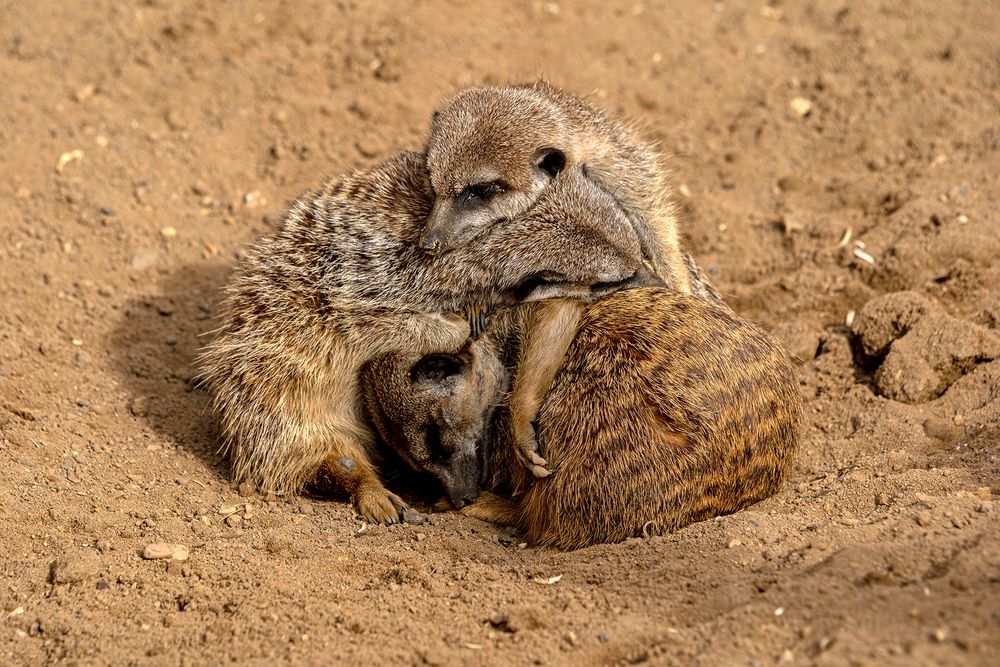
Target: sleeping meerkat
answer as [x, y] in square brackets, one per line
[344, 280]
[668, 409]
[493, 151]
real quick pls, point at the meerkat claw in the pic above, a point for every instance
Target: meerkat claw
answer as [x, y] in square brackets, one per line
[534, 462]
[380, 506]
[478, 316]
[541, 472]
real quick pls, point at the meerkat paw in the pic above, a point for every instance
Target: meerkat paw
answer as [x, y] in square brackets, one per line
[460, 325]
[527, 450]
[377, 505]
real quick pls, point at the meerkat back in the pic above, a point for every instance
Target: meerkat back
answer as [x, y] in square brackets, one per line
[667, 410]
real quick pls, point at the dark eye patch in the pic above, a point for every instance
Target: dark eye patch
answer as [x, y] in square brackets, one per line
[480, 193]
[436, 367]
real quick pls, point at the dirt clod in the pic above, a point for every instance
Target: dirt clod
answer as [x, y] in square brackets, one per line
[74, 567]
[161, 550]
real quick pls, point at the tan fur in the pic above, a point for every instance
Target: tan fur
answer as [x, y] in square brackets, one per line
[667, 409]
[343, 281]
[547, 329]
[505, 135]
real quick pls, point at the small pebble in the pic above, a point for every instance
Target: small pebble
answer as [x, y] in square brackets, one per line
[800, 106]
[160, 550]
[139, 406]
[144, 260]
[66, 158]
[414, 517]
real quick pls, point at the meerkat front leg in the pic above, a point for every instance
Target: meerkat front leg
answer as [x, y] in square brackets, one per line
[415, 332]
[346, 470]
[546, 333]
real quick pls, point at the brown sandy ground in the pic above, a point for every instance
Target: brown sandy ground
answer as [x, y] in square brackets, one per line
[196, 120]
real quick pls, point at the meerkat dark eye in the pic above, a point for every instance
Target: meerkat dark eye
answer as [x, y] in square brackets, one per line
[480, 193]
[551, 161]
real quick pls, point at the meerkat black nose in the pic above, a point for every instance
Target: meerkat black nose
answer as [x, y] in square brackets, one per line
[430, 240]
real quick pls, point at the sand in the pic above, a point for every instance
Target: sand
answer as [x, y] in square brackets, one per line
[827, 157]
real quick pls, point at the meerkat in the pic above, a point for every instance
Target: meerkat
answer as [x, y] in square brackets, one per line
[492, 151]
[667, 409]
[448, 398]
[344, 280]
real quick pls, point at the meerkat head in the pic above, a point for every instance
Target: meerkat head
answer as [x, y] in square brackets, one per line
[578, 243]
[434, 411]
[490, 153]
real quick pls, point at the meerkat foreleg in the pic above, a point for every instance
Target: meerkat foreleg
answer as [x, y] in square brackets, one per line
[545, 337]
[346, 470]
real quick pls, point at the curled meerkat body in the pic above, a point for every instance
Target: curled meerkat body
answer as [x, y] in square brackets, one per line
[343, 281]
[492, 151]
[667, 410]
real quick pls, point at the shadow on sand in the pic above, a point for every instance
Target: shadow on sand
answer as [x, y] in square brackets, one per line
[155, 348]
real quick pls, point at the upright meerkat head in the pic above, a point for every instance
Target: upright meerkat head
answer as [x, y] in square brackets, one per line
[434, 411]
[490, 153]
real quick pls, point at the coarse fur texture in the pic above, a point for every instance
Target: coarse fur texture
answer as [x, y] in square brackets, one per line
[344, 280]
[667, 410]
[493, 150]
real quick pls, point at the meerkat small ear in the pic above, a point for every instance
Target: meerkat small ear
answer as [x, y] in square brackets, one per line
[435, 116]
[551, 161]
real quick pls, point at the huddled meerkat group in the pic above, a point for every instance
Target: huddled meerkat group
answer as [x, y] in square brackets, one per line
[509, 310]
